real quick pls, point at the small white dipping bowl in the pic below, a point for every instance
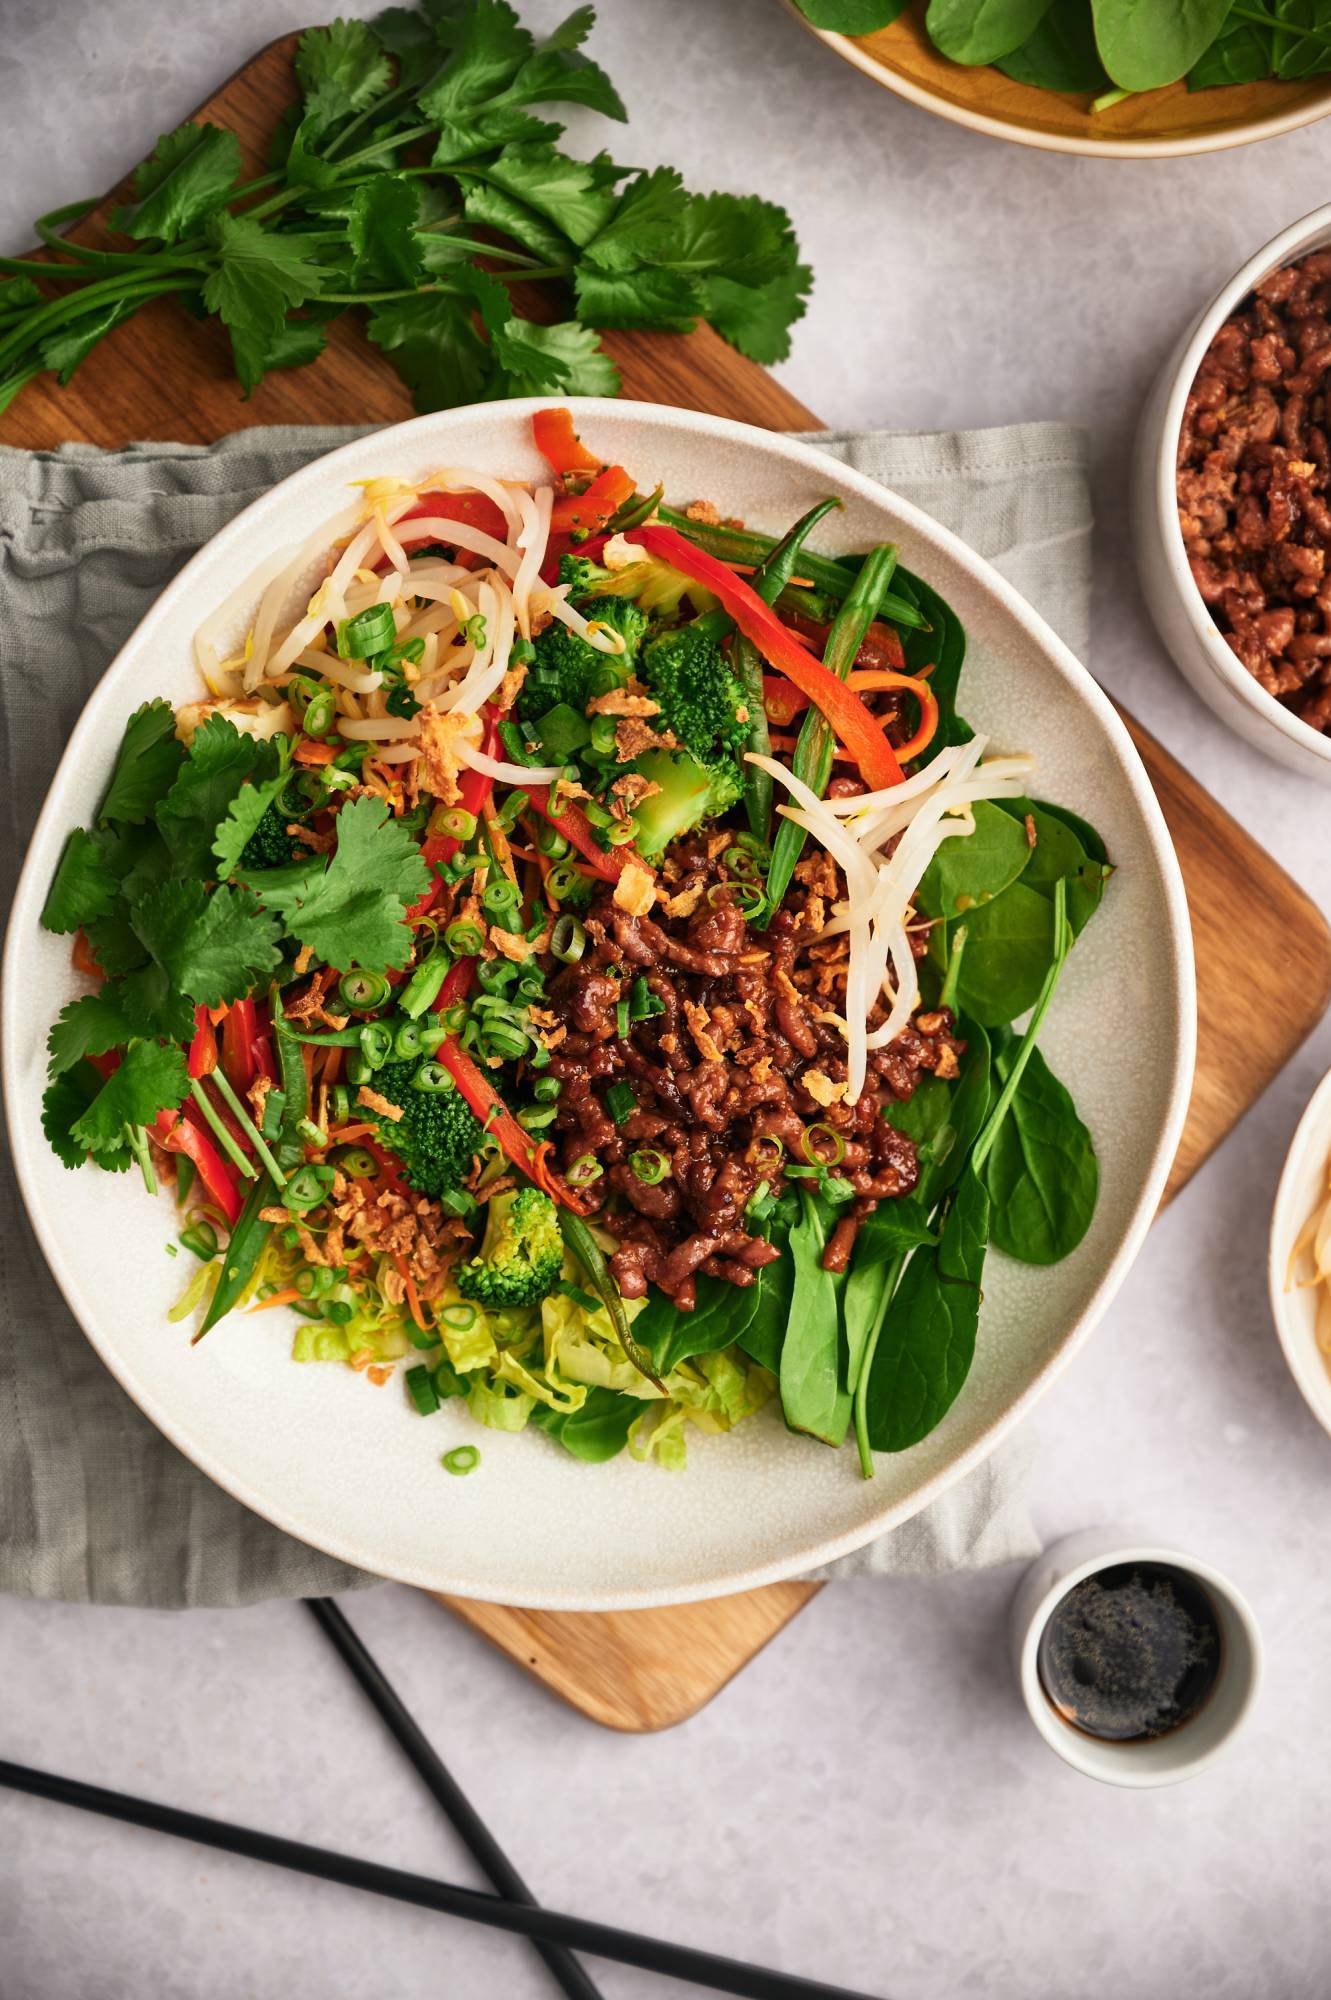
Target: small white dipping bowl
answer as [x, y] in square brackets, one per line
[1302, 1188]
[1175, 603]
[1158, 1760]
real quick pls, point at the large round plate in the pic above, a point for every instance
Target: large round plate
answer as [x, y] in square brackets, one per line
[351, 1468]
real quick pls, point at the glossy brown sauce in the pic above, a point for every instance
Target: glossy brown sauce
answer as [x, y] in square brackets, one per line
[1131, 1653]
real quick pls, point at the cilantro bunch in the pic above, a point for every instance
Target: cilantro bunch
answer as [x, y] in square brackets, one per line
[155, 887]
[422, 144]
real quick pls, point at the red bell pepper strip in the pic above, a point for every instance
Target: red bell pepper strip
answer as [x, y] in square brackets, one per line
[457, 985]
[178, 1135]
[576, 828]
[582, 514]
[560, 445]
[239, 1033]
[202, 1057]
[850, 720]
[481, 1098]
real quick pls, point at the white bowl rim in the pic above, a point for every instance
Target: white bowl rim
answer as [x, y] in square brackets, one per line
[1060, 1736]
[30, 895]
[1271, 257]
[1306, 1364]
[1272, 126]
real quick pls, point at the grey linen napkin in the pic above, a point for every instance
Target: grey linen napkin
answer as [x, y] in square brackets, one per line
[94, 1504]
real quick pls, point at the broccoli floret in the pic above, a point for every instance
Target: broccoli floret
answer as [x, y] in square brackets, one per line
[270, 845]
[437, 1136]
[521, 1256]
[702, 703]
[690, 792]
[584, 578]
[567, 669]
[656, 587]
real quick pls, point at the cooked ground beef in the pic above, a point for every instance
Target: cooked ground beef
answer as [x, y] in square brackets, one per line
[737, 1057]
[1253, 498]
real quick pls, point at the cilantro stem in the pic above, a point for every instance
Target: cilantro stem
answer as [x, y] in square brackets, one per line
[108, 291]
[247, 1125]
[224, 1138]
[137, 1141]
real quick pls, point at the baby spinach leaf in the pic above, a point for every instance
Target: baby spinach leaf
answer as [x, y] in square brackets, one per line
[851, 17]
[813, 1397]
[1009, 949]
[1061, 53]
[718, 1320]
[941, 647]
[598, 1430]
[925, 1350]
[982, 31]
[1041, 1172]
[1146, 43]
[764, 1336]
[884, 1240]
[944, 1119]
[1060, 854]
[1242, 54]
[971, 869]
[1296, 52]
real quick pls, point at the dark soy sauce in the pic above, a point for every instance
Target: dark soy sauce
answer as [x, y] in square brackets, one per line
[1131, 1653]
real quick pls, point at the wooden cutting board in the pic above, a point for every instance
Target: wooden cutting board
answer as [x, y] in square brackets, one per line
[166, 376]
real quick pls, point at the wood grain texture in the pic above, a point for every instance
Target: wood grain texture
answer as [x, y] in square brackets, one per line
[166, 376]
[903, 53]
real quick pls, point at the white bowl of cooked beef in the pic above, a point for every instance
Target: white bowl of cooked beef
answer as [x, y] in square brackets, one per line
[1232, 500]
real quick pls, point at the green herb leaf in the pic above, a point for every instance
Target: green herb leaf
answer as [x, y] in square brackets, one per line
[1061, 854]
[598, 1430]
[350, 908]
[64, 350]
[113, 943]
[219, 761]
[757, 318]
[491, 208]
[1061, 53]
[566, 359]
[190, 175]
[247, 808]
[433, 344]
[644, 219]
[718, 1320]
[89, 1026]
[148, 1080]
[342, 69]
[260, 275]
[1242, 54]
[146, 765]
[653, 297]
[145, 996]
[382, 230]
[64, 1103]
[762, 1339]
[213, 947]
[575, 194]
[1041, 1172]
[1009, 949]
[84, 885]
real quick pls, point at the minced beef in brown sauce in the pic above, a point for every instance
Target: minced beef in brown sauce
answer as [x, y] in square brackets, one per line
[1253, 472]
[737, 1057]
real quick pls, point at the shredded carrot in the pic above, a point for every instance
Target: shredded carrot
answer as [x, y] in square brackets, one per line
[308, 751]
[287, 1296]
[413, 1297]
[341, 1135]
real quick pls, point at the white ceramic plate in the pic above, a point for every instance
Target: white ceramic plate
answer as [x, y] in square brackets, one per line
[351, 1468]
[1302, 1188]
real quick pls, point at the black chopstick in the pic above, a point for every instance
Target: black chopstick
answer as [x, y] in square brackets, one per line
[485, 1849]
[663, 1955]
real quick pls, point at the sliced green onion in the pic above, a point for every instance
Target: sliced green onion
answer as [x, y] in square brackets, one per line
[362, 992]
[765, 1153]
[358, 1070]
[304, 1190]
[457, 1201]
[501, 898]
[512, 809]
[432, 1078]
[422, 989]
[836, 1188]
[509, 1044]
[599, 815]
[603, 733]
[494, 975]
[546, 1089]
[356, 1163]
[339, 1102]
[622, 1019]
[185, 1172]
[338, 1305]
[463, 1458]
[291, 1236]
[568, 939]
[650, 1166]
[312, 1134]
[376, 1043]
[421, 1389]
[621, 831]
[201, 1238]
[370, 631]
[620, 1102]
[463, 938]
[535, 1117]
[585, 1169]
[454, 1018]
[318, 717]
[406, 1042]
[459, 1319]
[564, 880]
[550, 841]
[760, 1203]
[274, 1107]
[455, 821]
[812, 1153]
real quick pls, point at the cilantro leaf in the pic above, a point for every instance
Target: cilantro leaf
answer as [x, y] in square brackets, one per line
[575, 194]
[296, 342]
[87, 1027]
[64, 350]
[650, 297]
[351, 911]
[341, 69]
[757, 318]
[146, 764]
[492, 208]
[220, 759]
[384, 214]
[149, 1079]
[435, 348]
[547, 360]
[83, 887]
[232, 834]
[645, 217]
[303, 164]
[190, 174]
[558, 74]
[490, 47]
[740, 236]
[16, 294]
[145, 996]
[113, 942]
[212, 947]
[260, 275]
[64, 1103]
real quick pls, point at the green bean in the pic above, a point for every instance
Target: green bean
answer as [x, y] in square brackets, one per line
[831, 577]
[578, 1239]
